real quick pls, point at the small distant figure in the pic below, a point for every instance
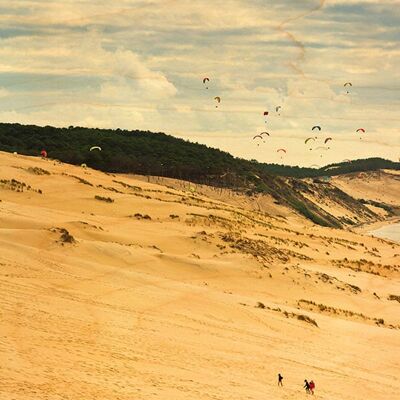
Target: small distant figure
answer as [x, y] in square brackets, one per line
[312, 386]
[280, 379]
[306, 386]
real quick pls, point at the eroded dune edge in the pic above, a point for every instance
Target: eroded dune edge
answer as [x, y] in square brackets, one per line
[113, 287]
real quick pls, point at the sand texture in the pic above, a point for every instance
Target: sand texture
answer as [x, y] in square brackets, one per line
[116, 288]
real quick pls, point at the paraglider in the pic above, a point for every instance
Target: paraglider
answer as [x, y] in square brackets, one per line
[314, 166]
[308, 139]
[264, 133]
[95, 148]
[206, 80]
[347, 84]
[83, 165]
[218, 99]
[277, 108]
[257, 136]
[281, 150]
[322, 148]
[265, 115]
[360, 130]
[327, 140]
[43, 153]
[316, 127]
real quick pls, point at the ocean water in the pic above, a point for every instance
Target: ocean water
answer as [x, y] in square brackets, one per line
[391, 232]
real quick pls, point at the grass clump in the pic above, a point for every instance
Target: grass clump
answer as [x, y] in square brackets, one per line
[38, 171]
[140, 216]
[394, 297]
[105, 199]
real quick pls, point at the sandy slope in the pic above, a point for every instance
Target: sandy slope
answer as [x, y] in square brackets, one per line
[165, 307]
[381, 186]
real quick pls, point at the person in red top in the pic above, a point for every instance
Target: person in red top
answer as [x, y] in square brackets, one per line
[312, 387]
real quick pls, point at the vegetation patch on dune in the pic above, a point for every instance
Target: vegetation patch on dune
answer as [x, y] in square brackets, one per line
[65, 236]
[259, 249]
[105, 199]
[38, 171]
[363, 265]
[347, 314]
[300, 317]
[79, 179]
[140, 216]
[17, 186]
[393, 297]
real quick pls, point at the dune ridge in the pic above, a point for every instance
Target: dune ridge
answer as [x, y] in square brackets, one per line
[117, 287]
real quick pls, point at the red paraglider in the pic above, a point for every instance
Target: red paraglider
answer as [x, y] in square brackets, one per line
[43, 153]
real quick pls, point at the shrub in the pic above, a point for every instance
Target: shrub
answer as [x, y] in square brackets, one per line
[105, 199]
[260, 305]
[394, 297]
[307, 319]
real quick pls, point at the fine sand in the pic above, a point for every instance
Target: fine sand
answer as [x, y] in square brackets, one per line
[156, 292]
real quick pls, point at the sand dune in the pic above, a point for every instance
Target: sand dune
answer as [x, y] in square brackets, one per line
[150, 292]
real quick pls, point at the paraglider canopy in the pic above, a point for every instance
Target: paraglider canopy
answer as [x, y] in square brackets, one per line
[316, 127]
[95, 148]
[43, 153]
[360, 130]
[327, 140]
[266, 113]
[264, 133]
[206, 80]
[218, 99]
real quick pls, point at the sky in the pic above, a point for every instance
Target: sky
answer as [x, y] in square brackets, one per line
[140, 64]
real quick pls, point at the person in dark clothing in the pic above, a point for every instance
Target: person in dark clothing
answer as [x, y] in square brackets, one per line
[280, 379]
[306, 386]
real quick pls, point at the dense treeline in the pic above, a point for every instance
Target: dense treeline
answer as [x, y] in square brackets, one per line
[150, 153]
[123, 151]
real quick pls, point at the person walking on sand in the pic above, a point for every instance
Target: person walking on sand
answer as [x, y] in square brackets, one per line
[312, 386]
[280, 379]
[306, 386]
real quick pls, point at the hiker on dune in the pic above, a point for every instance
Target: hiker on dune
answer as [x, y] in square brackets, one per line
[280, 379]
[312, 386]
[306, 386]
